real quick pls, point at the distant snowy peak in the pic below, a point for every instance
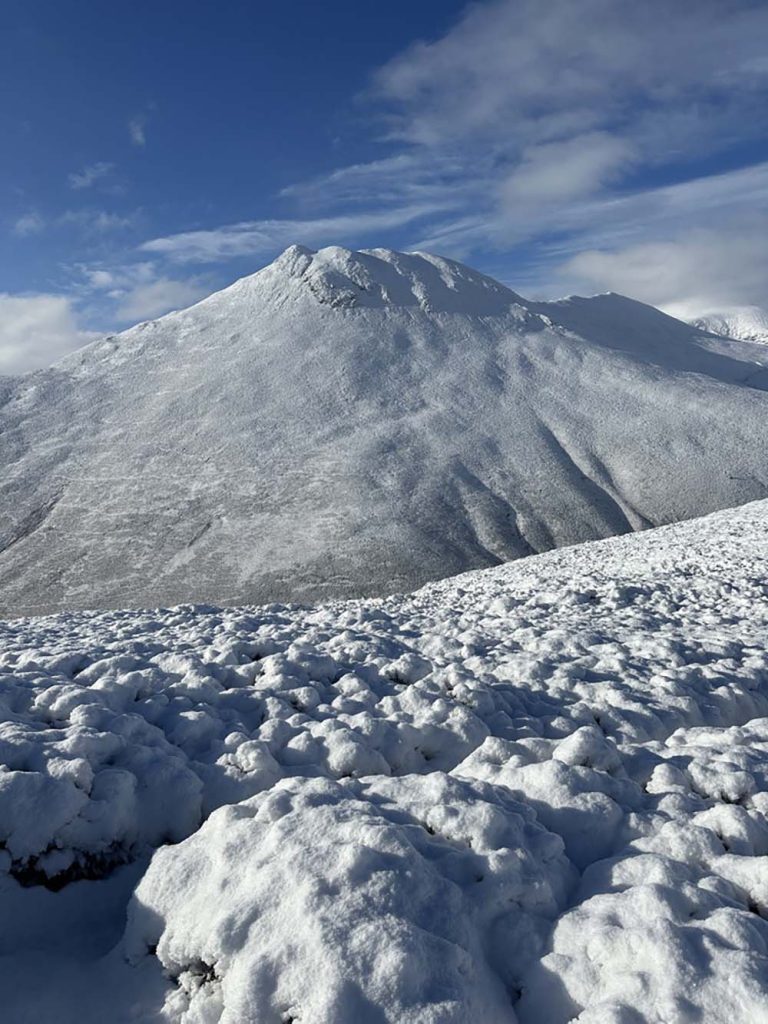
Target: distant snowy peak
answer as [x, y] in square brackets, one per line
[376, 278]
[745, 323]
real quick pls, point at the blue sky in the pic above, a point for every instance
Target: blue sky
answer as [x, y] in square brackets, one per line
[155, 151]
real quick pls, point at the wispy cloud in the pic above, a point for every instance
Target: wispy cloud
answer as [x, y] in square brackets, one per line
[525, 138]
[556, 172]
[88, 220]
[517, 72]
[403, 179]
[530, 128]
[29, 224]
[89, 175]
[265, 236]
[157, 297]
[139, 291]
[98, 221]
[137, 130]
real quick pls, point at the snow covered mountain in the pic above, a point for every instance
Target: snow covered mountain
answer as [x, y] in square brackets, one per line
[350, 423]
[534, 794]
[745, 323]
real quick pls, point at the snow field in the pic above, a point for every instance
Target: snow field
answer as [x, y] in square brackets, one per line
[535, 793]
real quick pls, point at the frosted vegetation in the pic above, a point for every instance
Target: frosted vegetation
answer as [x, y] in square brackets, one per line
[535, 793]
[346, 424]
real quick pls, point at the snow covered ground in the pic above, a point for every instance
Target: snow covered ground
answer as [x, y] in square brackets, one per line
[535, 793]
[347, 424]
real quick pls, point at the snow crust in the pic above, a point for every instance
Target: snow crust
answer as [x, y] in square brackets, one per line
[536, 793]
[347, 424]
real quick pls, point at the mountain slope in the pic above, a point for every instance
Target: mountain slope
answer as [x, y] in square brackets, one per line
[358, 423]
[745, 323]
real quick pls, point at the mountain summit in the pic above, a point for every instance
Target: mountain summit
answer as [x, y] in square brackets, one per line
[347, 423]
[376, 278]
[745, 323]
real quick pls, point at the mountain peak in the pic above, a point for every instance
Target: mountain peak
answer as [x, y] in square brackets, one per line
[745, 323]
[346, 422]
[373, 278]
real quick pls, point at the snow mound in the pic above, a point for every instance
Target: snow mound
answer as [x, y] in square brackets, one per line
[533, 793]
[394, 890]
[345, 424]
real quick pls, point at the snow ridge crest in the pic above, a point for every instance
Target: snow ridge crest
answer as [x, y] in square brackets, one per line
[376, 278]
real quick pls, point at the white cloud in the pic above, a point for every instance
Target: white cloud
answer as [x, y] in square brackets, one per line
[29, 224]
[719, 202]
[685, 275]
[90, 175]
[603, 221]
[264, 236]
[528, 126]
[99, 279]
[139, 291]
[118, 279]
[96, 220]
[35, 330]
[89, 220]
[521, 71]
[137, 130]
[144, 301]
[559, 171]
[525, 130]
[403, 179]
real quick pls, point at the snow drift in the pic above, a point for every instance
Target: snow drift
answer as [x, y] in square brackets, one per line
[535, 793]
[348, 424]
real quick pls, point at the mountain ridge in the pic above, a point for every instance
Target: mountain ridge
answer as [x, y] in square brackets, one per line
[267, 444]
[745, 323]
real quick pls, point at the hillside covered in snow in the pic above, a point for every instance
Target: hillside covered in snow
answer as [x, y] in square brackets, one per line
[745, 323]
[358, 423]
[535, 793]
